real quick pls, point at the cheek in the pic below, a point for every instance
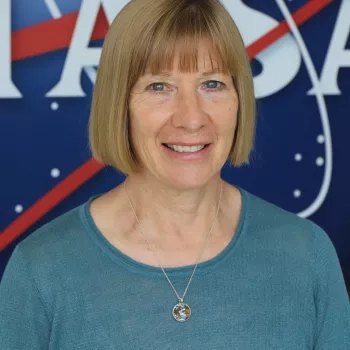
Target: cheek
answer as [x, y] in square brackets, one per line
[232, 114]
[145, 124]
[139, 117]
[148, 118]
[225, 118]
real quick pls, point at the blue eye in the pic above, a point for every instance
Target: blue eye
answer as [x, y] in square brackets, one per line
[213, 84]
[158, 87]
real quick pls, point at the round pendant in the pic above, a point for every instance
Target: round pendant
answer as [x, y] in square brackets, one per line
[181, 312]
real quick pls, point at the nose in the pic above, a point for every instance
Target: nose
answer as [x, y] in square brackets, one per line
[190, 114]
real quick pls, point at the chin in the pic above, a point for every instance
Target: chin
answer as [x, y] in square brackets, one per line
[182, 181]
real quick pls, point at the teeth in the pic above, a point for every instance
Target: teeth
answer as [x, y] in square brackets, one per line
[186, 148]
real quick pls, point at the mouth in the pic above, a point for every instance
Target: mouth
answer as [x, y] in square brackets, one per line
[186, 149]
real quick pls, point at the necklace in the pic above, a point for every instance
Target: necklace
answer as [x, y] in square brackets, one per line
[181, 311]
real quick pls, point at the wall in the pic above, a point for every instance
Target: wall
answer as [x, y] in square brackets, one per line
[50, 51]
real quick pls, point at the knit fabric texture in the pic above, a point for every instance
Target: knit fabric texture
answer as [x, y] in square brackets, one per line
[277, 285]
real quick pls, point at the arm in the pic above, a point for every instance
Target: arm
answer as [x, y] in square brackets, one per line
[23, 319]
[330, 295]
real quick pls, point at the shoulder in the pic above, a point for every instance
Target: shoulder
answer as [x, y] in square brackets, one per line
[289, 242]
[55, 255]
[58, 237]
[279, 226]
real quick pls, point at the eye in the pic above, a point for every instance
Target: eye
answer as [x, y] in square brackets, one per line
[157, 87]
[213, 85]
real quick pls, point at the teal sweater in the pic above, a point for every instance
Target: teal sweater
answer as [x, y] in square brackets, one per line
[277, 285]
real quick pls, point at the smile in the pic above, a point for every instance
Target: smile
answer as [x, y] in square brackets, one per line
[187, 149]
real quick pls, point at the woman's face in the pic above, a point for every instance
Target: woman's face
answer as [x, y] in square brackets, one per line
[183, 124]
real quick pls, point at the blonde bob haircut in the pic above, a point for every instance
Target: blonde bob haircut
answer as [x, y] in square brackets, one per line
[145, 35]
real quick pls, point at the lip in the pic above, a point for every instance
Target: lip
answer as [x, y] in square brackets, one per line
[187, 144]
[200, 155]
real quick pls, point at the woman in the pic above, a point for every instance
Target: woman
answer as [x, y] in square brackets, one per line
[175, 256]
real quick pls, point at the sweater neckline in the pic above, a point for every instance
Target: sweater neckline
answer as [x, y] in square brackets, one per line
[134, 266]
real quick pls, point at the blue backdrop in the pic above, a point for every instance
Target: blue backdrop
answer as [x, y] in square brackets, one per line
[302, 81]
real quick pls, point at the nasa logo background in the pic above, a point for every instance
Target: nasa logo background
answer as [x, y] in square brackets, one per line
[46, 80]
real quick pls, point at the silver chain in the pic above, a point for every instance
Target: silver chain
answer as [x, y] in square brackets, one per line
[155, 255]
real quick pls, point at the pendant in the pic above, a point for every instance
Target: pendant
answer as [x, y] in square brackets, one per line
[181, 311]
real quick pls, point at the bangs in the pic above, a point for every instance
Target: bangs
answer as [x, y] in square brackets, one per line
[180, 34]
[161, 58]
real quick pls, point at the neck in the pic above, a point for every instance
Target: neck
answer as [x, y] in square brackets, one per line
[173, 213]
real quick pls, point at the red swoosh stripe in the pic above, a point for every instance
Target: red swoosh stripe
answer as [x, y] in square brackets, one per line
[52, 198]
[41, 38]
[65, 27]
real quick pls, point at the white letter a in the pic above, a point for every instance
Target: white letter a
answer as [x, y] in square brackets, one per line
[337, 56]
